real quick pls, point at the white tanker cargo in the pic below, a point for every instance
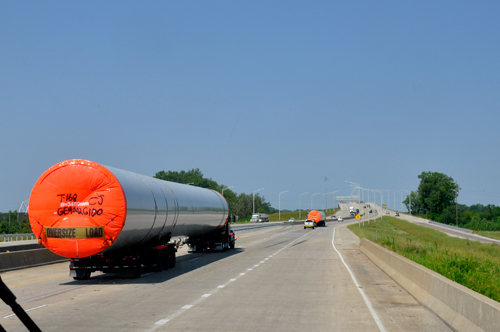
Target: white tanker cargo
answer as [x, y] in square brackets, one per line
[111, 220]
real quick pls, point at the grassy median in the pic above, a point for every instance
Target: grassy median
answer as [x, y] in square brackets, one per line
[472, 264]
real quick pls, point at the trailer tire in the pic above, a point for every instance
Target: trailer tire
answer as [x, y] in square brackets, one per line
[82, 275]
[166, 259]
[160, 261]
[171, 258]
[136, 272]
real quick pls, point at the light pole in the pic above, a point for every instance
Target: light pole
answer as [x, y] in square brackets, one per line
[409, 195]
[381, 203]
[401, 198]
[394, 199]
[359, 187]
[253, 210]
[312, 199]
[299, 203]
[279, 203]
[387, 197]
[225, 189]
[333, 192]
[368, 201]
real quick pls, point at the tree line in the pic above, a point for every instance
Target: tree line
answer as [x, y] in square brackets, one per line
[436, 199]
[240, 205]
[14, 223]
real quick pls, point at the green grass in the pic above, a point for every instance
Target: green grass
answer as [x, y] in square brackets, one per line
[493, 235]
[472, 264]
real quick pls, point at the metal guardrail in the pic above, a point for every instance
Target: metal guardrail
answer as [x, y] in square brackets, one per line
[245, 227]
[17, 237]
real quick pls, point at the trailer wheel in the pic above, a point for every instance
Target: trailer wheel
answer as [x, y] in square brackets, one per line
[166, 259]
[136, 272]
[82, 275]
[160, 261]
[171, 258]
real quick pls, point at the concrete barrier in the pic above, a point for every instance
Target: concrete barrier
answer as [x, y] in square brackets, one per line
[17, 247]
[26, 258]
[462, 308]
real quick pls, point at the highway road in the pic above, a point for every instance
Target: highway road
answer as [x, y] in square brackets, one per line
[278, 279]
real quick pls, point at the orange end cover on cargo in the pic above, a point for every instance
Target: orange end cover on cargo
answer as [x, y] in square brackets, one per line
[77, 208]
[314, 215]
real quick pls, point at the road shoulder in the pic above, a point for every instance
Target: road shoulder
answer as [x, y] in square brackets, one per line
[397, 309]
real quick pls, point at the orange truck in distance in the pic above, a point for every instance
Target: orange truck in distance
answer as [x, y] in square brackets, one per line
[318, 217]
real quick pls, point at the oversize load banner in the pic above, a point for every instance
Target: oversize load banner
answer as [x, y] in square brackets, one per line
[74, 232]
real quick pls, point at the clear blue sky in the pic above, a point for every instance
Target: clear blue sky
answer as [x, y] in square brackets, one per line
[257, 94]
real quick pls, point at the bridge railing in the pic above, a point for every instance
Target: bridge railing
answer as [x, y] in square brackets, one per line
[17, 237]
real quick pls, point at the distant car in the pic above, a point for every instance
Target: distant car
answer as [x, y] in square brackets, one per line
[371, 211]
[291, 220]
[309, 224]
[340, 219]
[397, 214]
[333, 217]
[387, 212]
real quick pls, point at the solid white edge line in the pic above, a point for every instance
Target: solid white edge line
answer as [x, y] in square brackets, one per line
[363, 295]
[12, 315]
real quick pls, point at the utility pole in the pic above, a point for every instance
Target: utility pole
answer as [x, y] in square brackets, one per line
[456, 200]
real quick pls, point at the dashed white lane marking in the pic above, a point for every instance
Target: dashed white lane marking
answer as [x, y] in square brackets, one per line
[204, 296]
[361, 291]
[12, 315]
